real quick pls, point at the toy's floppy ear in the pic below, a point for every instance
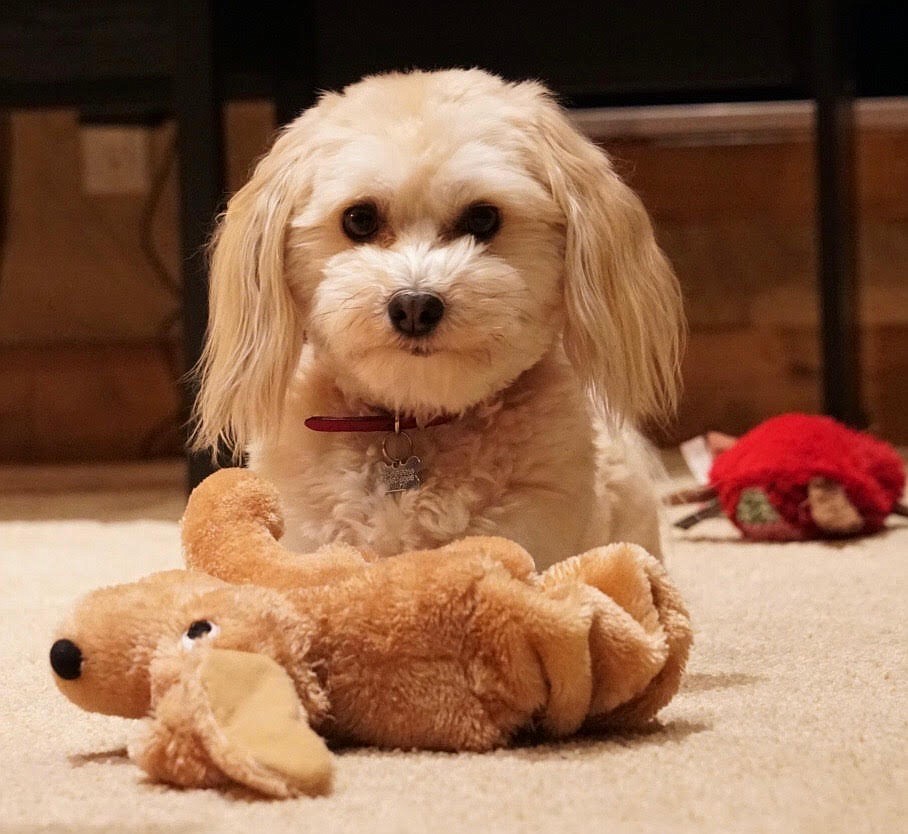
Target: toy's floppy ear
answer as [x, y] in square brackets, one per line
[234, 716]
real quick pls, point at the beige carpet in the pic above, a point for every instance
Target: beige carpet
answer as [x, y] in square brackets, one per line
[793, 718]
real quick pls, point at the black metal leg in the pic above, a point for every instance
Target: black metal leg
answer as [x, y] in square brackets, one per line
[837, 238]
[197, 105]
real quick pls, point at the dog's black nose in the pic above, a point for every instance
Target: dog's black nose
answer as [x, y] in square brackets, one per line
[415, 313]
[66, 659]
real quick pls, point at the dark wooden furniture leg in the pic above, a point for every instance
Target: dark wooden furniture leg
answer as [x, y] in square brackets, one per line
[836, 216]
[197, 106]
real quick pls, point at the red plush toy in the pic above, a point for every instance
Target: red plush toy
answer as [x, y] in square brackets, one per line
[799, 477]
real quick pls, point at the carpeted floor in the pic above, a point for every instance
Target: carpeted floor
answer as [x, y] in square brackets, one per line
[793, 717]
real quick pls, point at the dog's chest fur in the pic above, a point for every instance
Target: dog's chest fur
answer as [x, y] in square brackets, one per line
[504, 468]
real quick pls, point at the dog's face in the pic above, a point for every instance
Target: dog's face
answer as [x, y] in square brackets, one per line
[431, 235]
[426, 258]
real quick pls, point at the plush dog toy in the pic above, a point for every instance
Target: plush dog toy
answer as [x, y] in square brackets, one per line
[241, 665]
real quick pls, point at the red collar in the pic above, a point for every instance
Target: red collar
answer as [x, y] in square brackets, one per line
[370, 422]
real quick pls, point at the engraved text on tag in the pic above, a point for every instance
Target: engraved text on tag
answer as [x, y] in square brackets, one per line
[399, 476]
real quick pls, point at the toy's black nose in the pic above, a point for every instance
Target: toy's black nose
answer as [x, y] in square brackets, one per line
[66, 659]
[415, 313]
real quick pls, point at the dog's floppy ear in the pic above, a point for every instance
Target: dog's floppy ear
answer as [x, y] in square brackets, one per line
[254, 329]
[233, 717]
[624, 326]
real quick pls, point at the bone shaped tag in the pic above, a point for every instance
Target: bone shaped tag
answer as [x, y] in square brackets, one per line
[399, 476]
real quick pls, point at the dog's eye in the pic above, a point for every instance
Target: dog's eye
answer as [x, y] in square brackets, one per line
[361, 222]
[482, 220]
[197, 630]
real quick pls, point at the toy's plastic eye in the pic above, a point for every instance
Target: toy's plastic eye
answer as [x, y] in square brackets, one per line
[198, 630]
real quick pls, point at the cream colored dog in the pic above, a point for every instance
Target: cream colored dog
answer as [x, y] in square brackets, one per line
[443, 246]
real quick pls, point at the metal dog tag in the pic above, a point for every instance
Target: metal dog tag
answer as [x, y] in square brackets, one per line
[399, 476]
[400, 470]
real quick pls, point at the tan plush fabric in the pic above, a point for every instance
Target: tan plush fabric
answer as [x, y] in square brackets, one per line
[458, 648]
[792, 718]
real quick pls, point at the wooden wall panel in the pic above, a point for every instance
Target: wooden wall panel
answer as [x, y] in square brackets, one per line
[79, 402]
[737, 222]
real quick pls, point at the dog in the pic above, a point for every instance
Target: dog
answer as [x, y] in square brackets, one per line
[442, 257]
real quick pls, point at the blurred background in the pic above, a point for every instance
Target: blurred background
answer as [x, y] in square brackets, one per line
[769, 142]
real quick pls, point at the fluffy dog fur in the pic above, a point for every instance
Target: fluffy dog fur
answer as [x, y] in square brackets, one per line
[558, 331]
